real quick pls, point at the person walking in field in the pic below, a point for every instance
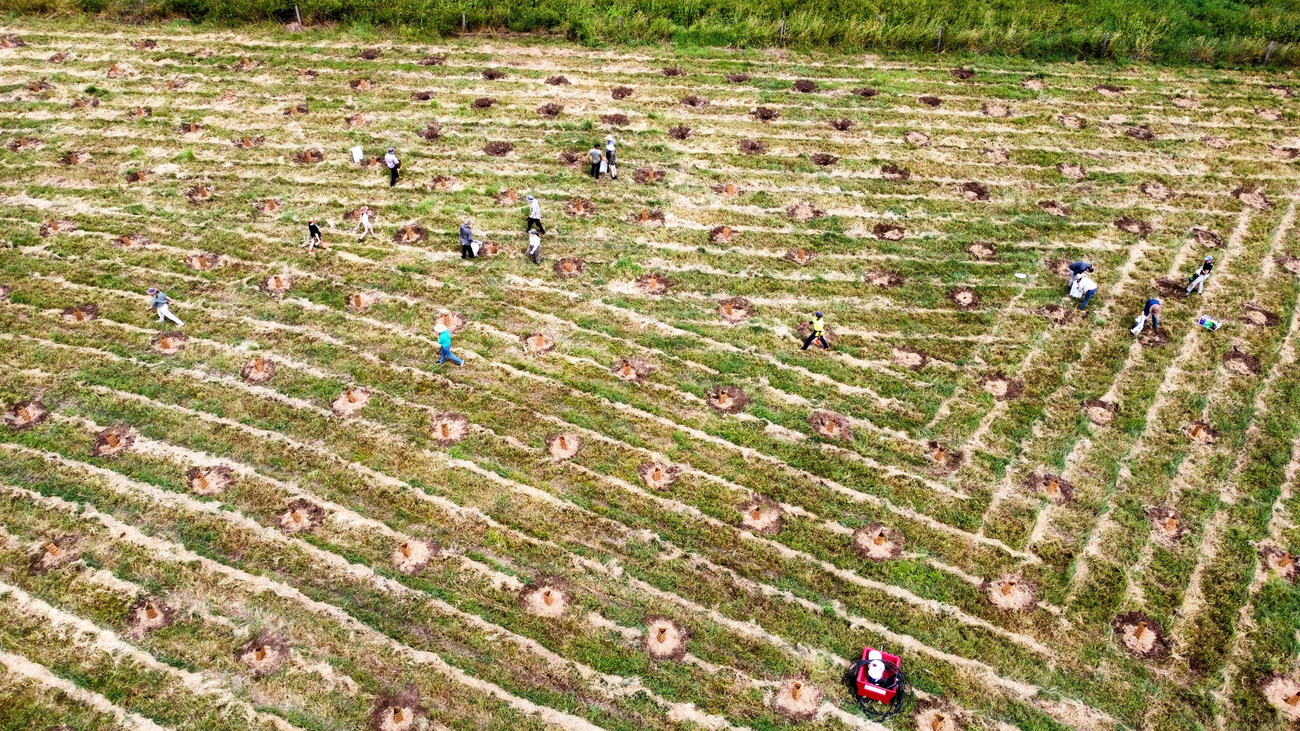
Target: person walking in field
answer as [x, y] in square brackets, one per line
[1151, 313]
[159, 302]
[1078, 269]
[1198, 279]
[610, 157]
[818, 332]
[393, 166]
[467, 241]
[1083, 287]
[534, 215]
[444, 344]
[314, 236]
[363, 224]
[534, 247]
[596, 159]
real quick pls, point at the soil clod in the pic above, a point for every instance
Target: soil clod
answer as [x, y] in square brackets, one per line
[996, 110]
[1071, 121]
[493, 74]
[499, 149]
[1141, 132]
[866, 93]
[1206, 237]
[753, 147]
[883, 279]
[621, 92]
[672, 71]
[765, 114]
[680, 133]
[431, 132]
[1156, 191]
[550, 109]
[737, 78]
[617, 120]
[932, 102]
[483, 102]
[805, 86]
[1054, 208]
[823, 159]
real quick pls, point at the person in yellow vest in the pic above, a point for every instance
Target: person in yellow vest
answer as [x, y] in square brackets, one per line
[818, 332]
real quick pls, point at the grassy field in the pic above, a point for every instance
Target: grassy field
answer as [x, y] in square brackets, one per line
[639, 505]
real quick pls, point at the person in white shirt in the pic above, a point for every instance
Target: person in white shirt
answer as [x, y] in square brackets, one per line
[534, 215]
[534, 247]
[363, 224]
[610, 156]
[159, 301]
[393, 166]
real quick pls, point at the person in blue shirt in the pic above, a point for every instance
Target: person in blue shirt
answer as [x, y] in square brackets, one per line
[158, 301]
[444, 342]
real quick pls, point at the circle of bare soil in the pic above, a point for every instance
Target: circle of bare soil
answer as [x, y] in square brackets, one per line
[664, 639]
[631, 370]
[1240, 363]
[672, 71]
[842, 124]
[422, 96]
[890, 171]
[264, 654]
[1206, 237]
[1001, 387]
[875, 542]
[452, 320]
[449, 428]
[1182, 102]
[170, 343]
[1051, 486]
[765, 114]
[203, 261]
[621, 92]
[113, 441]
[507, 197]
[1133, 226]
[727, 399]
[146, 615]
[1141, 132]
[964, 297]
[399, 711]
[1200, 432]
[483, 102]
[410, 234]
[1140, 635]
[654, 283]
[210, 480]
[943, 460]
[493, 74]
[994, 109]
[804, 212]
[1156, 191]
[734, 310]
[1070, 170]
[920, 139]
[1167, 526]
[1057, 314]
[76, 158]
[310, 157]
[1289, 263]
[830, 425]
[557, 80]
[412, 556]
[1217, 142]
[694, 102]
[823, 159]
[563, 446]
[499, 149]
[753, 147]
[828, 334]
[580, 207]
[550, 109]
[362, 301]
[127, 241]
[932, 102]
[1282, 692]
[1071, 121]
[549, 598]
[1099, 412]
[796, 699]
[761, 516]
[301, 516]
[866, 93]
[442, 182]
[982, 249]
[805, 86]
[648, 176]
[26, 414]
[888, 232]
[883, 279]
[802, 257]
[570, 267]
[935, 715]
[1154, 339]
[648, 216]
[1257, 316]
[973, 191]
[537, 343]
[54, 553]
[616, 120]
[657, 475]
[1168, 287]
[81, 313]
[908, 357]
[276, 284]
[1012, 593]
[350, 401]
[295, 109]
[1283, 563]
[997, 155]
[722, 234]
[737, 78]
[1055, 208]
[1253, 198]
[680, 133]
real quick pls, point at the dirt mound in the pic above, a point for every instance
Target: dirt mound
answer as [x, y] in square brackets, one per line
[442, 182]
[563, 446]
[362, 84]
[1283, 693]
[1268, 115]
[920, 139]
[370, 54]
[209, 481]
[631, 370]
[550, 109]
[722, 234]
[657, 475]
[831, 425]
[1108, 90]
[1070, 121]
[300, 516]
[982, 250]
[694, 102]
[1001, 387]
[431, 132]
[997, 155]
[883, 279]
[736, 309]
[1057, 314]
[25, 143]
[823, 159]
[146, 615]
[765, 114]
[664, 639]
[12, 41]
[932, 102]
[680, 133]
[842, 124]
[1099, 412]
[648, 176]
[1256, 316]
[1182, 102]
[483, 102]
[422, 96]
[621, 92]
[277, 284]
[908, 357]
[648, 216]
[557, 81]
[139, 176]
[1200, 432]
[26, 414]
[54, 553]
[727, 399]
[433, 61]
[964, 74]
[654, 283]
[805, 86]
[1156, 191]
[802, 257]
[1054, 208]
[1141, 635]
[309, 157]
[350, 401]
[537, 343]
[449, 428]
[580, 207]
[753, 147]
[80, 313]
[411, 234]
[498, 149]
[112, 441]
[737, 78]
[672, 71]
[1282, 563]
[1153, 339]
[618, 120]
[730, 190]
[549, 598]
[1133, 226]
[804, 212]
[865, 93]
[964, 297]
[570, 267]
[1051, 486]
[270, 205]
[1167, 526]
[994, 109]
[796, 699]
[943, 460]
[1073, 171]
[493, 74]
[170, 343]
[400, 711]
[1168, 287]
[1141, 132]
[1012, 593]
[1217, 142]
[1240, 363]
[264, 654]
[1253, 198]
[875, 542]
[761, 516]
[249, 143]
[203, 261]
[1289, 263]
[890, 171]
[362, 301]
[974, 191]
[55, 226]
[1206, 237]
[85, 102]
[936, 715]
[411, 557]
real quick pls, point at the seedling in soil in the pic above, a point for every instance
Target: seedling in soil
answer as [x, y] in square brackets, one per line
[1240, 363]
[301, 516]
[310, 157]
[249, 143]
[1284, 563]
[618, 120]
[680, 133]
[647, 216]
[1012, 594]
[112, 441]
[146, 615]
[449, 428]
[648, 176]
[81, 313]
[621, 92]
[307, 74]
[722, 234]
[264, 654]
[115, 71]
[1108, 90]
[296, 110]
[54, 553]
[538, 343]
[796, 699]
[765, 114]
[632, 370]
[830, 425]
[935, 715]
[1001, 387]
[580, 207]
[12, 41]
[909, 357]
[351, 401]
[654, 284]
[246, 64]
[734, 310]
[548, 598]
[170, 343]
[665, 639]
[441, 182]
[258, 370]
[1051, 486]
[657, 475]
[563, 446]
[761, 516]
[55, 226]
[26, 414]
[804, 212]
[1167, 526]
[277, 284]
[398, 712]
[38, 87]
[410, 234]
[1283, 693]
[727, 399]
[128, 241]
[945, 460]
[356, 120]
[752, 147]
[362, 84]
[919, 139]
[204, 261]
[270, 205]
[570, 267]
[411, 557]
[1141, 635]
[211, 480]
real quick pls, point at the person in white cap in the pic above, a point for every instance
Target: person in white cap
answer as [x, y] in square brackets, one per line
[534, 215]
[393, 166]
[159, 302]
[610, 157]
[1198, 279]
[534, 247]
[363, 224]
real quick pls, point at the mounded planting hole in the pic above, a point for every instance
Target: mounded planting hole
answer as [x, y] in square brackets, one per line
[1059, 267]
[995, 109]
[410, 234]
[310, 157]
[1289, 263]
[203, 261]
[12, 41]
[722, 234]
[259, 370]
[1206, 237]
[1154, 339]
[113, 441]
[964, 297]
[1133, 226]
[452, 320]
[765, 114]
[727, 399]
[932, 102]
[664, 639]
[245, 142]
[1169, 288]
[737, 78]
[823, 159]
[59, 57]
[895, 172]
[537, 343]
[1182, 102]
[412, 556]
[982, 250]
[962, 73]
[908, 357]
[423, 96]
[1269, 115]
[1216, 142]
[1283, 563]
[753, 147]
[507, 197]
[934, 715]
[1108, 90]
[22, 144]
[631, 370]
[1140, 635]
[26, 414]
[431, 132]
[41, 86]
[654, 283]
[1057, 314]
[246, 64]
[920, 139]
[580, 207]
[200, 193]
[865, 93]
[55, 226]
[647, 216]
[81, 313]
[169, 343]
[1100, 413]
[875, 542]
[264, 654]
[189, 128]
[350, 401]
[127, 241]
[681, 133]
[805, 86]
[362, 301]
[883, 279]
[563, 446]
[370, 54]
[54, 553]
[943, 460]
[146, 615]
[557, 80]
[570, 267]
[802, 257]
[1240, 363]
[796, 699]
[139, 176]
[997, 155]
[270, 205]
[483, 102]
[550, 109]
[1012, 593]
[362, 84]
[1200, 432]
[621, 92]
[1167, 526]
[1072, 171]
[804, 212]
[1284, 153]
[734, 310]
[761, 516]
[1253, 198]
[208, 481]
[307, 74]
[1254, 315]
[657, 475]
[1051, 486]
[433, 61]
[1141, 132]
[1282, 92]
[617, 120]
[499, 149]
[672, 71]
[1001, 387]
[449, 428]
[399, 711]
[694, 102]
[1283, 693]
[1156, 191]
[549, 598]
[442, 182]
[830, 425]
[301, 516]
[1070, 121]
[842, 124]
[648, 176]
[277, 284]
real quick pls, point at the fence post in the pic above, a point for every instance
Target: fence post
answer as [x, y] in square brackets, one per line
[620, 21]
[939, 45]
[1105, 43]
[297, 14]
[1269, 53]
[462, 23]
[783, 29]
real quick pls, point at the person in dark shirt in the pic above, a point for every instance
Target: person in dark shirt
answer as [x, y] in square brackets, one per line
[1198, 279]
[1150, 313]
[466, 241]
[1078, 269]
[314, 236]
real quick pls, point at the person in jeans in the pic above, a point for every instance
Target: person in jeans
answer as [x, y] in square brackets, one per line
[1151, 313]
[393, 166]
[534, 247]
[159, 302]
[818, 332]
[444, 342]
[1198, 279]
[1088, 287]
[596, 158]
[466, 241]
[1078, 269]
[534, 215]
[610, 156]
[363, 224]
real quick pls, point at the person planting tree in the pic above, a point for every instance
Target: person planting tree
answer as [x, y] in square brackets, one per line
[818, 332]
[467, 250]
[1083, 287]
[596, 159]
[159, 302]
[1198, 279]
[1078, 269]
[314, 236]
[1150, 313]
[534, 247]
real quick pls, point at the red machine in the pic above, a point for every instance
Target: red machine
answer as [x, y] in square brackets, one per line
[879, 684]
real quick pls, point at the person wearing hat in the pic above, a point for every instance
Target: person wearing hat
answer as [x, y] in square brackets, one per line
[596, 158]
[1085, 287]
[466, 241]
[818, 332]
[393, 166]
[534, 215]
[158, 301]
[534, 247]
[363, 223]
[444, 343]
[1198, 279]
[610, 156]
[314, 236]
[1151, 313]
[1078, 269]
